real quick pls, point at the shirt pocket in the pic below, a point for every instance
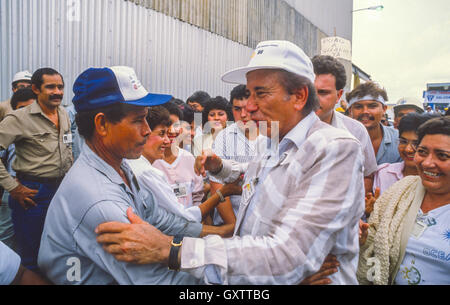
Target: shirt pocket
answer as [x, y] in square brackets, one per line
[44, 143]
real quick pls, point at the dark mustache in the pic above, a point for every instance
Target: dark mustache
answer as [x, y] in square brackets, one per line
[56, 97]
[366, 115]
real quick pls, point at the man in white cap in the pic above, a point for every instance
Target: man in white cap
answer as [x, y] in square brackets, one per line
[404, 106]
[301, 200]
[21, 80]
[367, 104]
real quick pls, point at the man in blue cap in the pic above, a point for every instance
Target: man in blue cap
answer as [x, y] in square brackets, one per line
[112, 107]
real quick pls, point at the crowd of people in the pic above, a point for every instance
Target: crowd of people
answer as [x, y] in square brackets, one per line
[281, 183]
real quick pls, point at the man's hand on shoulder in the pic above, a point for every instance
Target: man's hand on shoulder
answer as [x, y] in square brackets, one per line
[137, 242]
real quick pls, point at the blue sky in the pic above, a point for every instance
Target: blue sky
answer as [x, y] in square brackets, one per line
[405, 46]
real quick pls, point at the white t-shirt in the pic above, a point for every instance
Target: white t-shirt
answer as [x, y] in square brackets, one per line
[154, 183]
[427, 257]
[187, 186]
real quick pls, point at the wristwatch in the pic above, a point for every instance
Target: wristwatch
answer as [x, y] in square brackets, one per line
[177, 241]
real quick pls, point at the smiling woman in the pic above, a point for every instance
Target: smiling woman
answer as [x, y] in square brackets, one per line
[389, 173]
[411, 217]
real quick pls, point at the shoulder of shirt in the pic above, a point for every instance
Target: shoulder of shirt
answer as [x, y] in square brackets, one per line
[19, 113]
[352, 122]
[324, 130]
[96, 185]
[356, 128]
[185, 154]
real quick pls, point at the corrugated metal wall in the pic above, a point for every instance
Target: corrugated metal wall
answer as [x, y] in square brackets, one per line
[169, 56]
[327, 15]
[246, 21]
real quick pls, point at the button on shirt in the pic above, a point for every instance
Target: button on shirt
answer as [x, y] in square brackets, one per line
[9, 264]
[388, 151]
[40, 147]
[309, 205]
[93, 193]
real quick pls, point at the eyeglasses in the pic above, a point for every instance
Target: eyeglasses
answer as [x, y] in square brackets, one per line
[404, 142]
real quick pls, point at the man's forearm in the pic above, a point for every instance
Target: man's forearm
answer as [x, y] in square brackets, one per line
[223, 230]
[209, 205]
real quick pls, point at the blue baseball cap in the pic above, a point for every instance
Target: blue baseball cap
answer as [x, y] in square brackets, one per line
[100, 87]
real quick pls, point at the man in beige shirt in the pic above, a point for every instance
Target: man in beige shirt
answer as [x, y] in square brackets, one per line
[21, 80]
[41, 134]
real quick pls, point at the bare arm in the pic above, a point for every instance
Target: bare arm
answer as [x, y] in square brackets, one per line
[225, 209]
[27, 277]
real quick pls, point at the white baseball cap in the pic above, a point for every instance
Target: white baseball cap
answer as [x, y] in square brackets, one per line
[274, 54]
[22, 76]
[408, 102]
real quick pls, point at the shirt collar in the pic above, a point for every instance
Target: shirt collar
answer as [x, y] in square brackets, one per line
[99, 164]
[35, 108]
[387, 136]
[296, 136]
[397, 169]
[337, 121]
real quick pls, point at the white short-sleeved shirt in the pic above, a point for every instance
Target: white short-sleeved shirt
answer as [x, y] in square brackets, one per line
[360, 133]
[427, 257]
[154, 183]
[185, 183]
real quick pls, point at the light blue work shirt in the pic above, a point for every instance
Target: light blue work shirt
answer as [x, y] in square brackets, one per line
[388, 151]
[92, 193]
[9, 264]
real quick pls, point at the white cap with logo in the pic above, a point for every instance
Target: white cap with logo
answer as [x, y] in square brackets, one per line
[22, 76]
[410, 102]
[274, 54]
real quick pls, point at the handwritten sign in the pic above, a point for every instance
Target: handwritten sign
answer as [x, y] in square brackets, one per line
[337, 47]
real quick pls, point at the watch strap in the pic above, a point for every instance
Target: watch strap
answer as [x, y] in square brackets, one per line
[174, 250]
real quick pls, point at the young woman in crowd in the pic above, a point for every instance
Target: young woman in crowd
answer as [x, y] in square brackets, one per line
[216, 114]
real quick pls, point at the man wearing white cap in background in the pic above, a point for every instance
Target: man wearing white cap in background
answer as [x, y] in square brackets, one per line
[404, 106]
[367, 104]
[301, 200]
[21, 80]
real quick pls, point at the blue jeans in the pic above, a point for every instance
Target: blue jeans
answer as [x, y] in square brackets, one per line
[29, 224]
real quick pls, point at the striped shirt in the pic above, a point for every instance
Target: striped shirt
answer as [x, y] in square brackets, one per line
[309, 205]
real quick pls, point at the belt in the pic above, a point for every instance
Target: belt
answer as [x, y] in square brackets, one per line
[22, 176]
